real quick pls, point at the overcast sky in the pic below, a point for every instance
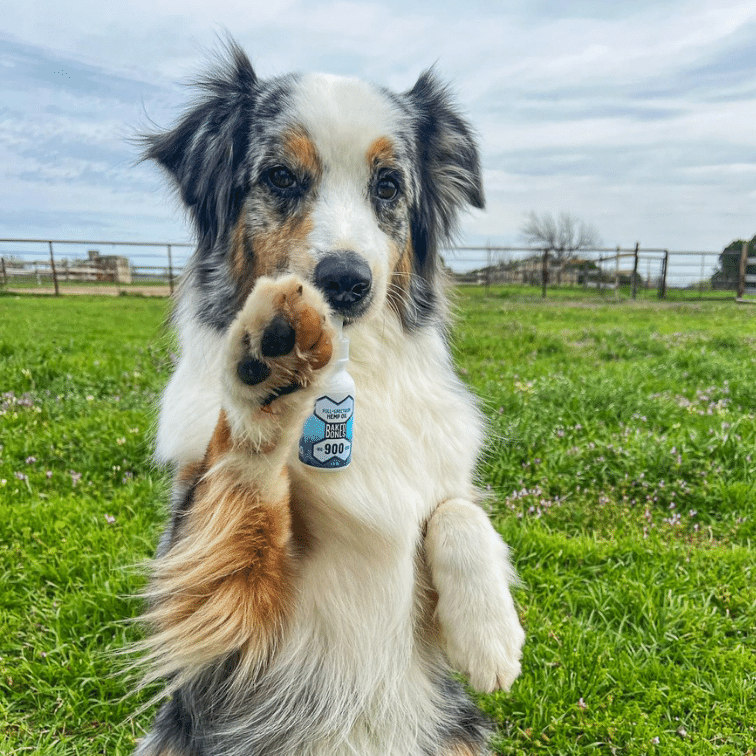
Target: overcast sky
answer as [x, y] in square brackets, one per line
[639, 117]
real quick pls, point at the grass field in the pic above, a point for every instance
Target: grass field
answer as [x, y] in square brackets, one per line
[620, 470]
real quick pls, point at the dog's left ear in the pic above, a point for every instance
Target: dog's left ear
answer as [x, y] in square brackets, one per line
[448, 152]
[450, 175]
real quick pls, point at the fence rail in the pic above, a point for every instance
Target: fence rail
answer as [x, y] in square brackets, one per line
[22, 265]
[67, 265]
[639, 270]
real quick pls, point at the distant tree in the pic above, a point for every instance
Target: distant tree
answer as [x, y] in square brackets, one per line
[563, 237]
[726, 276]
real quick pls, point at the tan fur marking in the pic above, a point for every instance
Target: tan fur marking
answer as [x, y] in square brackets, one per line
[460, 749]
[301, 537]
[301, 149]
[188, 474]
[220, 441]
[273, 250]
[242, 258]
[380, 152]
[398, 293]
[224, 585]
[265, 253]
[312, 338]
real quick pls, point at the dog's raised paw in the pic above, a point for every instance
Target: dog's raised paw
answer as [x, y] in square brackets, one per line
[279, 340]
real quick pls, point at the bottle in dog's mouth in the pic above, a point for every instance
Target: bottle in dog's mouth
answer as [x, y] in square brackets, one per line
[326, 441]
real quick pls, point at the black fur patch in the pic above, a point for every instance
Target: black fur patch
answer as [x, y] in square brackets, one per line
[449, 177]
[465, 723]
[173, 731]
[182, 501]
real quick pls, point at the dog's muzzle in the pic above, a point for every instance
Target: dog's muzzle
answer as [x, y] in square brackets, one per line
[346, 280]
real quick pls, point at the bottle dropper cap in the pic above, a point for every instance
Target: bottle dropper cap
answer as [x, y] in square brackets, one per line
[342, 347]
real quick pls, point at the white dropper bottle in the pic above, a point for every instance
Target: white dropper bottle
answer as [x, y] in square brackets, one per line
[326, 441]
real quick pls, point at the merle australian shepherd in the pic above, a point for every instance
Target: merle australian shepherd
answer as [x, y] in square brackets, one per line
[294, 612]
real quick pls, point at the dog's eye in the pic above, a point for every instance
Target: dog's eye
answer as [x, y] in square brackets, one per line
[281, 179]
[387, 188]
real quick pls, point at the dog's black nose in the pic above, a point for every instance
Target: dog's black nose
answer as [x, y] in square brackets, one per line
[345, 279]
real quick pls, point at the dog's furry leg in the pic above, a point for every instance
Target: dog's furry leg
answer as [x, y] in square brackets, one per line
[221, 584]
[471, 572]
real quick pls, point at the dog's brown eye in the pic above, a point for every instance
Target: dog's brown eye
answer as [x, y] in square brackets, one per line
[387, 189]
[281, 178]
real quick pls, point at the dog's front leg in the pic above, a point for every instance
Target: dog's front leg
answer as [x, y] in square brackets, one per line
[222, 582]
[470, 569]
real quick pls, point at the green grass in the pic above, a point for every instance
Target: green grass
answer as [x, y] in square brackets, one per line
[573, 292]
[79, 507]
[620, 471]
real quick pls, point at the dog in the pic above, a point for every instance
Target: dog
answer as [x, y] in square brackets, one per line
[292, 611]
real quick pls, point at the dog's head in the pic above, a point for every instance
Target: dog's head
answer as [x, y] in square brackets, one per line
[347, 184]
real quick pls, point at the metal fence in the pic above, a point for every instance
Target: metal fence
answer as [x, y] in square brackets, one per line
[638, 271]
[78, 266]
[62, 266]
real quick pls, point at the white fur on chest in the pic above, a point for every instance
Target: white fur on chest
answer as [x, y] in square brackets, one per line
[417, 433]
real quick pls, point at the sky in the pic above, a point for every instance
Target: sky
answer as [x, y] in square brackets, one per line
[637, 117]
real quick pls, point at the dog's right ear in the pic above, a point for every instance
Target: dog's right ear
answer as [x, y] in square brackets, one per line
[204, 153]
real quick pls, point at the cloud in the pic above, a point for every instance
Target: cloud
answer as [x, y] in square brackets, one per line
[634, 115]
[65, 127]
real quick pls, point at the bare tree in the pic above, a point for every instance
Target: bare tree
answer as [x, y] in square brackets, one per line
[563, 237]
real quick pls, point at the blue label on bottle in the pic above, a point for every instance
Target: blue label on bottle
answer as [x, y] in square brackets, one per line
[326, 441]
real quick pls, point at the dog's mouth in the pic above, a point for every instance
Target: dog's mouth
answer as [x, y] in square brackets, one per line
[353, 313]
[346, 281]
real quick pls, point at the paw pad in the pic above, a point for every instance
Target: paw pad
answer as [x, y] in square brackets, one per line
[281, 336]
[278, 338]
[251, 371]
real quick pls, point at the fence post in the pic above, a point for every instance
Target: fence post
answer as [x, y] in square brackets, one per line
[488, 269]
[54, 273]
[544, 272]
[170, 269]
[663, 280]
[635, 271]
[617, 274]
[5, 273]
[742, 270]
